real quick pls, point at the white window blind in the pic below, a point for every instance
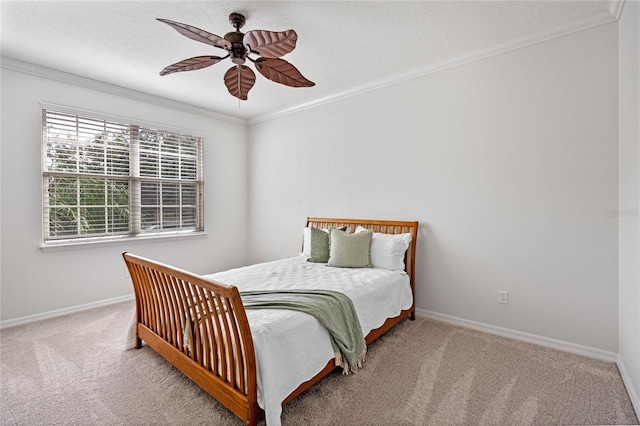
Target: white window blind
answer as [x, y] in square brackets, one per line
[103, 178]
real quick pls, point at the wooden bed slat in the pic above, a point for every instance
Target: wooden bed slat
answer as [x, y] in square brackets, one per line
[200, 326]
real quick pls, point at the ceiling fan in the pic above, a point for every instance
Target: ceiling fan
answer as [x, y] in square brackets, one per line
[239, 79]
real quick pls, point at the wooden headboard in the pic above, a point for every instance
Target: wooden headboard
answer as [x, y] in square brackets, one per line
[382, 226]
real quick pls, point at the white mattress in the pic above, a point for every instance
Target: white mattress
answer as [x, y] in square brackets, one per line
[292, 347]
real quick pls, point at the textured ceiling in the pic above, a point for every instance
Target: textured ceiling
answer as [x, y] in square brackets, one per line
[342, 46]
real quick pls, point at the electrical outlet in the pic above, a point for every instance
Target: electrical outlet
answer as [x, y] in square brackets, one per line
[503, 296]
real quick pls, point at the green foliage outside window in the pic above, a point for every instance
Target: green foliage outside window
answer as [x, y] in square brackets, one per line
[91, 186]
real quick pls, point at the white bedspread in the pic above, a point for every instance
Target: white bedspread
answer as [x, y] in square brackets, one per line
[292, 347]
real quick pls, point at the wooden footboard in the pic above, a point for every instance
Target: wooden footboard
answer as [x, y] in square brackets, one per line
[200, 326]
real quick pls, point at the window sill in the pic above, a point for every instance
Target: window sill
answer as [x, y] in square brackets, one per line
[85, 243]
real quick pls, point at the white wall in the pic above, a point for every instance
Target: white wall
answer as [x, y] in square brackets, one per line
[34, 282]
[509, 164]
[629, 222]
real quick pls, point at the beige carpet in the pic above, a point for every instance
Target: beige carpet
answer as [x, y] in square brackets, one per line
[73, 371]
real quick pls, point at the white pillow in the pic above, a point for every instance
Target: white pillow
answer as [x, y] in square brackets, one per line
[387, 250]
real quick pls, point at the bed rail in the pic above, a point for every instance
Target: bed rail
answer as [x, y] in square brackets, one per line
[201, 327]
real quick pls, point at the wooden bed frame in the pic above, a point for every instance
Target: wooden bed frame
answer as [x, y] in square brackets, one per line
[218, 354]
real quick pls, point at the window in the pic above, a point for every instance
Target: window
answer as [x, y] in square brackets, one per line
[105, 178]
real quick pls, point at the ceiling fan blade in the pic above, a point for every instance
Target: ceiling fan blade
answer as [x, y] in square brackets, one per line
[197, 34]
[282, 72]
[191, 64]
[270, 44]
[239, 80]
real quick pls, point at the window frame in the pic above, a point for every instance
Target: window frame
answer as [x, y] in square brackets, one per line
[134, 232]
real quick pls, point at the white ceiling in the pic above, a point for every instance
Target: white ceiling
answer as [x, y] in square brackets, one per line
[343, 46]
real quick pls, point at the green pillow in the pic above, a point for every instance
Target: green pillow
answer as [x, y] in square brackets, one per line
[319, 245]
[349, 250]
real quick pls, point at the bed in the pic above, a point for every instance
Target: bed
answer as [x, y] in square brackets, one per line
[201, 326]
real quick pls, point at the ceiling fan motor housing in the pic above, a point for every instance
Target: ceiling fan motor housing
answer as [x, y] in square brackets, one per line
[238, 52]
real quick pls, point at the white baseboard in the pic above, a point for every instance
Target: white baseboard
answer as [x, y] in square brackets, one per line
[525, 337]
[631, 390]
[64, 311]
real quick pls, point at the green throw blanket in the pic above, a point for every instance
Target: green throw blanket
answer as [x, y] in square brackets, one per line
[332, 309]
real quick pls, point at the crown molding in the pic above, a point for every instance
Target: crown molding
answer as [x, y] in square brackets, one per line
[604, 17]
[88, 83]
[611, 14]
[615, 8]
